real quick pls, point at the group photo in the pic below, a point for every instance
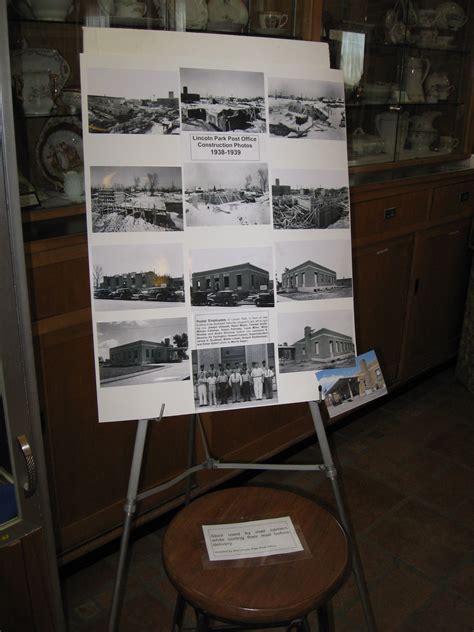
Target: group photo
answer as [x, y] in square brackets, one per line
[234, 377]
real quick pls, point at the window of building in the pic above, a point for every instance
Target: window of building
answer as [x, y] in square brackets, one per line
[135, 354]
[316, 348]
[226, 281]
[303, 277]
[239, 281]
[252, 280]
[331, 347]
[147, 353]
[316, 279]
[338, 346]
[208, 283]
[198, 285]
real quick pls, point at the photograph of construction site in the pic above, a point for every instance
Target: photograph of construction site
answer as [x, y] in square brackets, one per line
[308, 199]
[136, 199]
[222, 101]
[313, 270]
[218, 196]
[143, 351]
[131, 278]
[311, 341]
[345, 389]
[122, 101]
[301, 108]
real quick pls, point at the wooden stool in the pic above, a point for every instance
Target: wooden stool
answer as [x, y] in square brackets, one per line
[252, 594]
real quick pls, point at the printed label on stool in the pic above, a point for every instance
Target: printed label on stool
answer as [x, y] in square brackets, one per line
[258, 538]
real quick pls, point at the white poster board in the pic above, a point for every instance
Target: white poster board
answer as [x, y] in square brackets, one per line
[218, 220]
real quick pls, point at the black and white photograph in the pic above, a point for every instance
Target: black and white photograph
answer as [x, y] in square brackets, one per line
[232, 277]
[310, 199]
[348, 388]
[222, 101]
[127, 277]
[216, 195]
[313, 270]
[301, 108]
[136, 199]
[143, 352]
[234, 377]
[122, 101]
[311, 341]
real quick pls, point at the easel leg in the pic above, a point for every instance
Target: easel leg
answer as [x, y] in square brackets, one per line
[129, 509]
[332, 475]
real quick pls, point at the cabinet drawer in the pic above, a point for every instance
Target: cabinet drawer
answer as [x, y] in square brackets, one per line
[388, 214]
[452, 199]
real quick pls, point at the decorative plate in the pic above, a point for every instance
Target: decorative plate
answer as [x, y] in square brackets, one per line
[59, 148]
[40, 59]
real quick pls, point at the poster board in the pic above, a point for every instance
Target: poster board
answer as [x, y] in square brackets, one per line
[218, 220]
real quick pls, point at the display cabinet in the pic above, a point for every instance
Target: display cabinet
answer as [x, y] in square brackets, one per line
[407, 72]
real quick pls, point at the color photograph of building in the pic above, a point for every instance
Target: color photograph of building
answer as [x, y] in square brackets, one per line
[315, 340]
[313, 270]
[308, 199]
[222, 100]
[122, 101]
[345, 389]
[234, 377]
[143, 351]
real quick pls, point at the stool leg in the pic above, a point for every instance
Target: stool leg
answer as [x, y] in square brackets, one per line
[202, 621]
[324, 619]
[178, 614]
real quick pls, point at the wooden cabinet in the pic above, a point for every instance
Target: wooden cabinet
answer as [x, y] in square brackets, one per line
[410, 276]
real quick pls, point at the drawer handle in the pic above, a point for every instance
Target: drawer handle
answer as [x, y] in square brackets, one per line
[390, 212]
[464, 196]
[382, 252]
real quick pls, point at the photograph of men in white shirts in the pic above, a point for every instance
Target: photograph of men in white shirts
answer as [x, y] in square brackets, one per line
[268, 380]
[222, 386]
[257, 379]
[212, 389]
[202, 386]
[235, 381]
[245, 383]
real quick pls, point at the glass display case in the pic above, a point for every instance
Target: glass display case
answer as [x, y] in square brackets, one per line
[406, 70]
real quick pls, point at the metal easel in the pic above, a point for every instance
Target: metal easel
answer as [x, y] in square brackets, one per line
[210, 463]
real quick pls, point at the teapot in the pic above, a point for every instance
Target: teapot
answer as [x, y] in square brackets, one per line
[438, 87]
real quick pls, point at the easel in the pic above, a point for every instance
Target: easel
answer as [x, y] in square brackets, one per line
[213, 464]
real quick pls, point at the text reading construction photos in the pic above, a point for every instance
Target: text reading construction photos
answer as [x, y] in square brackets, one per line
[313, 270]
[302, 108]
[232, 277]
[234, 377]
[124, 101]
[136, 199]
[308, 199]
[143, 352]
[219, 195]
[311, 341]
[222, 101]
[127, 277]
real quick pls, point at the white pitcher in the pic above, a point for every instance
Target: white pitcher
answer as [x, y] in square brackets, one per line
[393, 128]
[414, 77]
[74, 186]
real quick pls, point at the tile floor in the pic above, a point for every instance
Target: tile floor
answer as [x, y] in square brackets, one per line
[407, 473]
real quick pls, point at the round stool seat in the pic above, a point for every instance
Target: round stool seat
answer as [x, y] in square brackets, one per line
[252, 590]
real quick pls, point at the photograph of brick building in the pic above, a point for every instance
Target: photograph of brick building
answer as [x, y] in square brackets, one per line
[306, 199]
[313, 270]
[319, 346]
[345, 389]
[143, 351]
[242, 275]
[125, 277]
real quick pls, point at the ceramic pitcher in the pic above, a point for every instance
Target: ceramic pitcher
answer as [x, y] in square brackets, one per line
[35, 89]
[393, 129]
[416, 71]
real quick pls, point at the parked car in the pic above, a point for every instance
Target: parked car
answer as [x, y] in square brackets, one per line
[123, 293]
[265, 299]
[179, 295]
[102, 293]
[199, 298]
[160, 294]
[223, 297]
